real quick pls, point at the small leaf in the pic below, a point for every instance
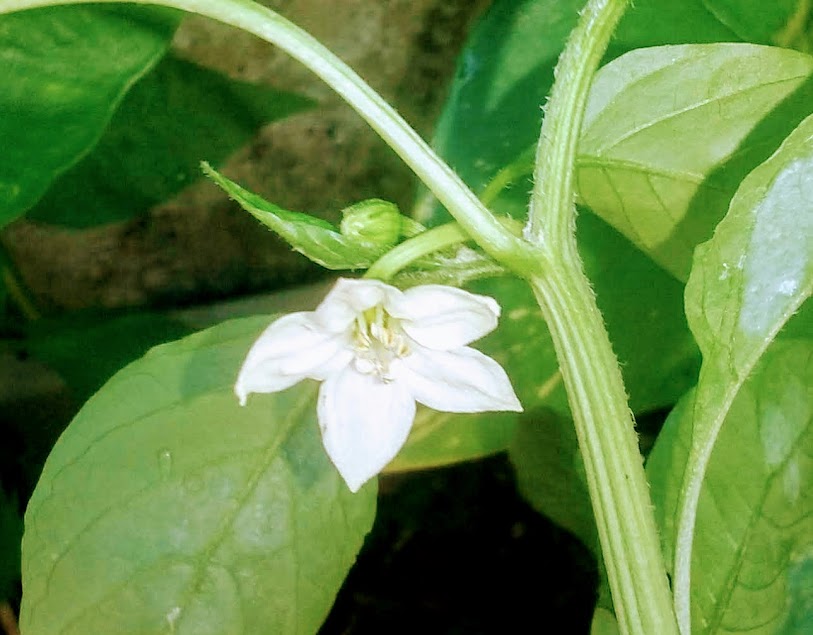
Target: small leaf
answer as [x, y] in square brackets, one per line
[657, 22]
[651, 159]
[173, 117]
[65, 69]
[166, 507]
[310, 236]
[752, 563]
[748, 18]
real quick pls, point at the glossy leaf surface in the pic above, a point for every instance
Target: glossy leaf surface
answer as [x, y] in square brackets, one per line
[65, 69]
[654, 161]
[753, 551]
[746, 283]
[174, 117]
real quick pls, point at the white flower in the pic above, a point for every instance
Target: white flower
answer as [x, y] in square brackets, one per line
[378, 350]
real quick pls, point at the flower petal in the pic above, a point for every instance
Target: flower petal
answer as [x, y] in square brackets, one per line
[348, 299]
[364, 423]
[289, 350]
[463, 380]
[443, 318]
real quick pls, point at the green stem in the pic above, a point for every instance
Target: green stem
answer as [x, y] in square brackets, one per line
[552, 212]
[426, 243]
[411, 250]
[609, 446]
[463, 205]
[613, 465]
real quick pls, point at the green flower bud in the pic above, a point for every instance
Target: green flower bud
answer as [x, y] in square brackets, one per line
[372, 223]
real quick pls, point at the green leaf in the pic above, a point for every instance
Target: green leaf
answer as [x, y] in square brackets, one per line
[757, 270]
[752, 562]
[653, 157]
[746, 283]
[492, 114]
[604, 623]
[65, 69]
[166, 507]
[752, 19]
[656, 22]
[443, 438]
[113, 341]
[177, 115]
[315, 238]
[550, 474]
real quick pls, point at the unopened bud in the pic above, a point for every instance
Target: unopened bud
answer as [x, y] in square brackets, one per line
[373, 223]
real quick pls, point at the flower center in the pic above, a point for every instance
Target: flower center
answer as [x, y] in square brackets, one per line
[378, 340]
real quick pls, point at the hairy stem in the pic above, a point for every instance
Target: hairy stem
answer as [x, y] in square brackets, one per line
[552, 213]
[616, 480]
[426, 243]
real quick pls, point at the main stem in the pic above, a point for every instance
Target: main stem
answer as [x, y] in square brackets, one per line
[604, 426]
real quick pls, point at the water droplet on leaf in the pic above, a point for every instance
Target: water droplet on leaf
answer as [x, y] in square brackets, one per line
[165, 463]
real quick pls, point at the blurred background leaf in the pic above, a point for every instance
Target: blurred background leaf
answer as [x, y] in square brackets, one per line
[86, 349]
[65, 69]
[175, 117]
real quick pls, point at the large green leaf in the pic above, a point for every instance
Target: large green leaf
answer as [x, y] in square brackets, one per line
[165, 507]
[746, 283]
[506, 69]
[177, 115]
[753, 554]
[65, 69]
[661, 126]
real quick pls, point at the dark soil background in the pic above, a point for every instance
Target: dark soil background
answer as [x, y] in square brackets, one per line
[456, 551]
[453, 550]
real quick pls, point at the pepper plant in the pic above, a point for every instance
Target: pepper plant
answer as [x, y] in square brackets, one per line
[662, 216]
